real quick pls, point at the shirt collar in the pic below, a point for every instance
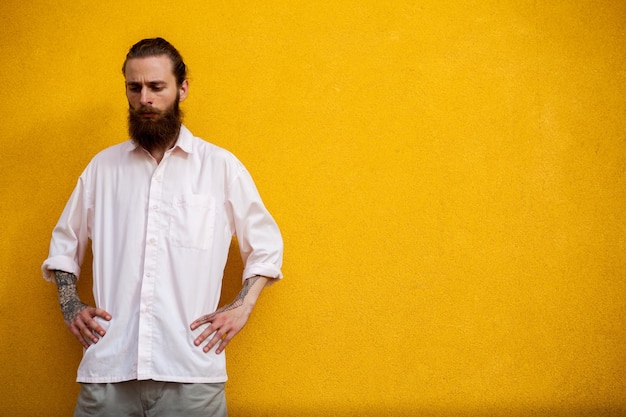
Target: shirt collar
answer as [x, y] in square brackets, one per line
[185, 140]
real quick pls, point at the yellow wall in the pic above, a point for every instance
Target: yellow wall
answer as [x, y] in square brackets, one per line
[449, 178]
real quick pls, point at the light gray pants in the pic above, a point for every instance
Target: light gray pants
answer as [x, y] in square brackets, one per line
[151, 399]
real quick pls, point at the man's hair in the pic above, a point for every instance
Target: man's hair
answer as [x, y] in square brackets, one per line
[156, 47]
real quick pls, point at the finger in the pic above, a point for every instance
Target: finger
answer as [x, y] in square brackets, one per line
[222, 336]
[85, 326]
[224, 342]
[103, 314]
[90, 339]
[88, 326]
[205, 334]
[93, 325]
[217, 338]
[95, 328]
[78, 335]
[202, 320]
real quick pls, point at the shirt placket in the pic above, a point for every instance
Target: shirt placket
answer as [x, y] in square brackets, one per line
[146, 306]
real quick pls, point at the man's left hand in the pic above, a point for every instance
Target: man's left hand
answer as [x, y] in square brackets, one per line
[227, 321]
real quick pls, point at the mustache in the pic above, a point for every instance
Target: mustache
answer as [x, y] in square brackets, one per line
[145, 110]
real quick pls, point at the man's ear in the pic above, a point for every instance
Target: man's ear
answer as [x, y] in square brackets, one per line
[183, 90]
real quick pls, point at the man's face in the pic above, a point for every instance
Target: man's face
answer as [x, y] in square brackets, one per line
[151, 86]
[154, 117]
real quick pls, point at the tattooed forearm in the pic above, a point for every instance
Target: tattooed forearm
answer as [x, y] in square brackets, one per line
[238, 301]
[68, 296]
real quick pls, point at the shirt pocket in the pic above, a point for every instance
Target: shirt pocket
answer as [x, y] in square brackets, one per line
[193, 221]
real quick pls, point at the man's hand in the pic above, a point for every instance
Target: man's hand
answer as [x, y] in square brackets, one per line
[85, 328]
[227, 321]
[225, 324]
[78, 316]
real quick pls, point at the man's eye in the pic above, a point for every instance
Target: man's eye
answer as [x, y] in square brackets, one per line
[134, 88]
[157, 88]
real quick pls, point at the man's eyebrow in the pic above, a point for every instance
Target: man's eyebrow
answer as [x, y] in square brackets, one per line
[151, 83]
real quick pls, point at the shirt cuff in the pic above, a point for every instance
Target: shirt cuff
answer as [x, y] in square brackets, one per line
[59, 263]
[266, 270]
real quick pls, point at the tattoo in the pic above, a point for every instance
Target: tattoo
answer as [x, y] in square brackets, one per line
[71, 305]
[237, 302]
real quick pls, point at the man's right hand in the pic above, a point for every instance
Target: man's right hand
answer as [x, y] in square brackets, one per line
[85, 328]
[78, 316]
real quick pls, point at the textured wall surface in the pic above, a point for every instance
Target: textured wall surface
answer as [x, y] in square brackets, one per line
[449, 177]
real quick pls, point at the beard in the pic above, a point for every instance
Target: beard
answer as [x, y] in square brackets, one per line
[157, 132]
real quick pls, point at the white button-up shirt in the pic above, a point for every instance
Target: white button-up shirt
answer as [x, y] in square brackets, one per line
[160, 238]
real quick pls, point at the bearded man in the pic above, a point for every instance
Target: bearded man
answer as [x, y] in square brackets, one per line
[160, 210]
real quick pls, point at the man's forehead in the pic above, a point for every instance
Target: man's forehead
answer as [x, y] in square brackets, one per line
[152, 68]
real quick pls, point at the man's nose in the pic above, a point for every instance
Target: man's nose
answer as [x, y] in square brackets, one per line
[146, 96]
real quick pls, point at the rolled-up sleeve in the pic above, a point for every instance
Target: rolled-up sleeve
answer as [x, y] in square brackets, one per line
[70, 235]
[258, 235]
